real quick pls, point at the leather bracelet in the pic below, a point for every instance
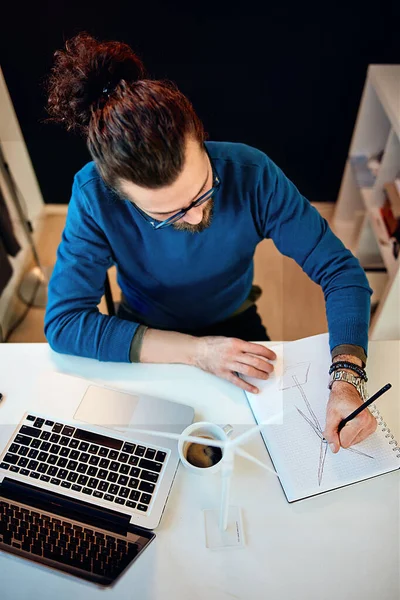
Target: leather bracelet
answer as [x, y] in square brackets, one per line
[344, 364]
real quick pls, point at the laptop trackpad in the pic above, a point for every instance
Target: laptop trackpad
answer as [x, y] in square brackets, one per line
[109, 408]
[121, 410]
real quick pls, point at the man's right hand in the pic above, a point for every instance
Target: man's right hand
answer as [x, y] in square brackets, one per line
[228, 357]
[222, 356]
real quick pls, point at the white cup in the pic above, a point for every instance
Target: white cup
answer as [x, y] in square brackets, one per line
[206, 430]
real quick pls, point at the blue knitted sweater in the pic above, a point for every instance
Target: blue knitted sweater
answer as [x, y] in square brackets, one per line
[178, 280]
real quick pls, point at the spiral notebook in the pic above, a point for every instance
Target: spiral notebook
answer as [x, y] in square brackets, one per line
[304, 462]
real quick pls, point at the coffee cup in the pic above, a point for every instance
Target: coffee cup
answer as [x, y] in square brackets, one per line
[203, 458]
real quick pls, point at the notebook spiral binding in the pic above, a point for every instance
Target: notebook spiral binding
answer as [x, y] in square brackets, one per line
[383, 425]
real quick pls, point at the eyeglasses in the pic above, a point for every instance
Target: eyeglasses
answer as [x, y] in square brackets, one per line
[176, 217]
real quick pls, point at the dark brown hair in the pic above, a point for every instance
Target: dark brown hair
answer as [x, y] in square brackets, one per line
[136, 128]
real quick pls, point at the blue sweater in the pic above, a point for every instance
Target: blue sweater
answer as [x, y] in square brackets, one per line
[178, 280]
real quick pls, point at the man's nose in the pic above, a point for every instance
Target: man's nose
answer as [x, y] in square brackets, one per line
[194, 216]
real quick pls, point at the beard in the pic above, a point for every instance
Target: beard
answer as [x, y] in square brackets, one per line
[199, 227]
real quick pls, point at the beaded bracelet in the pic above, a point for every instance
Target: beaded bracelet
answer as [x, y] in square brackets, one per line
[343, 364]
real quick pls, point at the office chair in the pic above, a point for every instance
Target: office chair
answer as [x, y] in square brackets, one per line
[108, 297]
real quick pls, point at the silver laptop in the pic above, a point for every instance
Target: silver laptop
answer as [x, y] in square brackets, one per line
[67, 485]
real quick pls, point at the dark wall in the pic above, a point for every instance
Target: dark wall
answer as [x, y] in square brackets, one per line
[280, 80]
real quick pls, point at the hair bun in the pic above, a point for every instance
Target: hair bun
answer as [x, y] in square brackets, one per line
[86, 72]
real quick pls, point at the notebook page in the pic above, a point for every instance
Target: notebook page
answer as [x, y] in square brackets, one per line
[304, 462]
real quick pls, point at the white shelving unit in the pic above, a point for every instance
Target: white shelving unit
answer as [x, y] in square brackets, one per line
[357, 220]
[18, 160]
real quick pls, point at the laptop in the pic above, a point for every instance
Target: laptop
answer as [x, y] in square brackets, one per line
[85, 498]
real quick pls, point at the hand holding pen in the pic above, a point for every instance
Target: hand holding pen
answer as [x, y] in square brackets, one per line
[355, 423]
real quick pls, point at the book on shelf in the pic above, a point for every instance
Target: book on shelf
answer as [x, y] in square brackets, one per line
[390, 210]
[365, 168]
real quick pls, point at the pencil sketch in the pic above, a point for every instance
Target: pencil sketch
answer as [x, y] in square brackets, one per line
[315, 425]
[299, 369]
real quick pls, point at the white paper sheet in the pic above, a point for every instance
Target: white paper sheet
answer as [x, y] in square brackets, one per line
[303, 460]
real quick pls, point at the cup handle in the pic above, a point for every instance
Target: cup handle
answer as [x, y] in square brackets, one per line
[228, 429]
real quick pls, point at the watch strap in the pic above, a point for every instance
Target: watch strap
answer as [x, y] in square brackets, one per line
[347, 377]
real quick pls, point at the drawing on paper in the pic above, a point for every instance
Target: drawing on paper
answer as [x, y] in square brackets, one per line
[300, 370]
[315, 425]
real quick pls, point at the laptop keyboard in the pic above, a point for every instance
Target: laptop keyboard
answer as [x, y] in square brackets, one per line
[121, 473]
[63, 541]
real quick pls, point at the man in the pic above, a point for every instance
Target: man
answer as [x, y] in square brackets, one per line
[181, 218]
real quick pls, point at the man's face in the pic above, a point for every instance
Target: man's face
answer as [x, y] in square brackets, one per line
[196, 179]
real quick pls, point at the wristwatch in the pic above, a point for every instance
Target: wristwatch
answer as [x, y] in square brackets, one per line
[358, 382]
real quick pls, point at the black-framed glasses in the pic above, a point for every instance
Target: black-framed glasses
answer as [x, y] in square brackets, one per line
[177, 216]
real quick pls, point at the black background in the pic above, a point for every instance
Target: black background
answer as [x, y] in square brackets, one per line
[283, 78]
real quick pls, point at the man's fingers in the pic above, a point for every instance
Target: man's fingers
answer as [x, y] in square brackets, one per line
[362, 435]
[256, 362]
[244, 385]
[247, 370]
[331, 433]
[350, 432]
[258, 349]
[333, 440]
[350, 436]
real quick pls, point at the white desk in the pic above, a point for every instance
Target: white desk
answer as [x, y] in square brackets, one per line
[341, 545]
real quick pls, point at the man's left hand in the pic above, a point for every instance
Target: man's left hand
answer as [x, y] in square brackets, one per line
[343, 400]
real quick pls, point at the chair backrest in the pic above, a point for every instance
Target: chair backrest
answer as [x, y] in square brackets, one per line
[108, 297]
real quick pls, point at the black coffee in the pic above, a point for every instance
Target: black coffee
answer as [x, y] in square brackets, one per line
[202, 455]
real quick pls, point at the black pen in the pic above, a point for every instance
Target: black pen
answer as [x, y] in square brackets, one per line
[378, 394]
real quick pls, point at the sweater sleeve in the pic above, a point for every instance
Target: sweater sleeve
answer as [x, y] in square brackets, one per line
[298, 231]
[73, 323]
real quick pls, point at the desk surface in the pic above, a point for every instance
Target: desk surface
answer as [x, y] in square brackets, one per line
[340, 545]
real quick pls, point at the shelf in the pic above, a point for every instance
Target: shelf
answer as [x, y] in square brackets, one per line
[366, 195]
[347, 234]
[357, 220]
[383, 241]
[363, 175]
[386, 82]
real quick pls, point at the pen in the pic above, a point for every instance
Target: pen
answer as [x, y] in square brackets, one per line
[378, 394]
